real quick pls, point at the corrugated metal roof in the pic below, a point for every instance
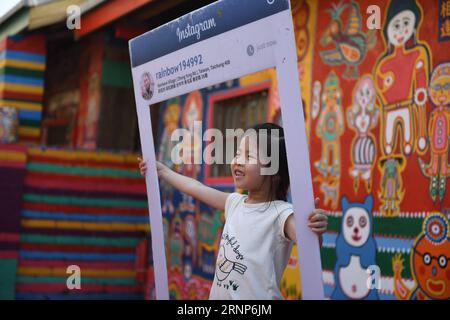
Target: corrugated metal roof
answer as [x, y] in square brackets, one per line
[56, 11]
[35, 14]
[11, 10]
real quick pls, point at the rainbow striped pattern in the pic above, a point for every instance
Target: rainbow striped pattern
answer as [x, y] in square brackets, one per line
[22, 67]
[81, 208]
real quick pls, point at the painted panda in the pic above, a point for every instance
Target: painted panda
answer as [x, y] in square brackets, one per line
[355, 251]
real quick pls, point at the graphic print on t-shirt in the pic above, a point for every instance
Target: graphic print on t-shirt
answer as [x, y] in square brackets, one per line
[227, 262]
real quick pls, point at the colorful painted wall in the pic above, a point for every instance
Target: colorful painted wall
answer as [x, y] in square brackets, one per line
[22, 66]
[63, 208]
[376, 104]
[382, 133]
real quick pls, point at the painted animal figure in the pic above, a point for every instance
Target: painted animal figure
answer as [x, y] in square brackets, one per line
[351, 44]
[355, 251]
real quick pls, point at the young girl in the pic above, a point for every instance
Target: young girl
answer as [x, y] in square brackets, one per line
[259, 227]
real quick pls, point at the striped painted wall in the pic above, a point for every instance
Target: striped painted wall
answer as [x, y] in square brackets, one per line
[22, 68]
[87, 209]
[12, 172]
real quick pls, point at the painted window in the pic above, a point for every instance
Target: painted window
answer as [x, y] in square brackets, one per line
[238, 108]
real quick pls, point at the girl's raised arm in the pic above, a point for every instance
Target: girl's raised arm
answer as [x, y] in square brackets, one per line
[212, 197]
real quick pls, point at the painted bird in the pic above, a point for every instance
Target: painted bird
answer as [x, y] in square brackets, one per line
[351, 45]
[225, 266]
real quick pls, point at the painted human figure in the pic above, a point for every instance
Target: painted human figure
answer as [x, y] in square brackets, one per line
[176, 245]
[402, 79]
[192, 146]
[391, 185]
[192, 113]
[438, 169]
[171, 118]
[190, 243]
[330, 127]
[362, 117]
[429, 260]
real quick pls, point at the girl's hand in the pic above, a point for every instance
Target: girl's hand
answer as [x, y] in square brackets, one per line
[160, 168]
[318, 220]
[212, 197]
[142, 166]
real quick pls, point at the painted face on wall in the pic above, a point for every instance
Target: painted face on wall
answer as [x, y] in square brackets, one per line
[364, 104]
[190, 230]
[365, 94]
[172, 115]
[431, 258]
[331, 97]
[192, 114]
[440, 91]
[356, 226]
[187, 271]
[401, 27]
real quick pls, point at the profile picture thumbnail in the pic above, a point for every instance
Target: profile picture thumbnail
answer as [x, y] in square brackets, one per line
[147, 85]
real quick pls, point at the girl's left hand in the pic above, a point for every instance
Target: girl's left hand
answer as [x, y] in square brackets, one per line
[318, 220]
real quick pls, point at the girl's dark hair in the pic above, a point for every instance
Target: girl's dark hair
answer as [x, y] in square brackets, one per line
[279, 182]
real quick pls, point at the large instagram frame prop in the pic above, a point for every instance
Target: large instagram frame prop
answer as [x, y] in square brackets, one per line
[222, 41]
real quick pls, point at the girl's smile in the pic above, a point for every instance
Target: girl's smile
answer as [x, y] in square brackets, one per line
[238, 174]
[246, 169]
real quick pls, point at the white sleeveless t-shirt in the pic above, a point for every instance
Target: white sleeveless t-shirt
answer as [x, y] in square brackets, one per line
[253, 250]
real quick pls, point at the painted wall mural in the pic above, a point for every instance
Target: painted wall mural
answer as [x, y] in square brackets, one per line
[192, 230]
[429, 262]
[349, 42]
[377, 112]
[329, 128]
[355, 251]
[376, 106]
[362, 117]
[438, 168]
[402, 79]
[394, 146]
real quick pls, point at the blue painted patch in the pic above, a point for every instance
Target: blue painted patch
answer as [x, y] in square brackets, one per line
[83, 217]
[22, 80]
[22, 55]
[30, 115]
[328, 289]
[25, 254]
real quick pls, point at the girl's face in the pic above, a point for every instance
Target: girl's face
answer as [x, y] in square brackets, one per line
[246, 167]
[401, 27]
